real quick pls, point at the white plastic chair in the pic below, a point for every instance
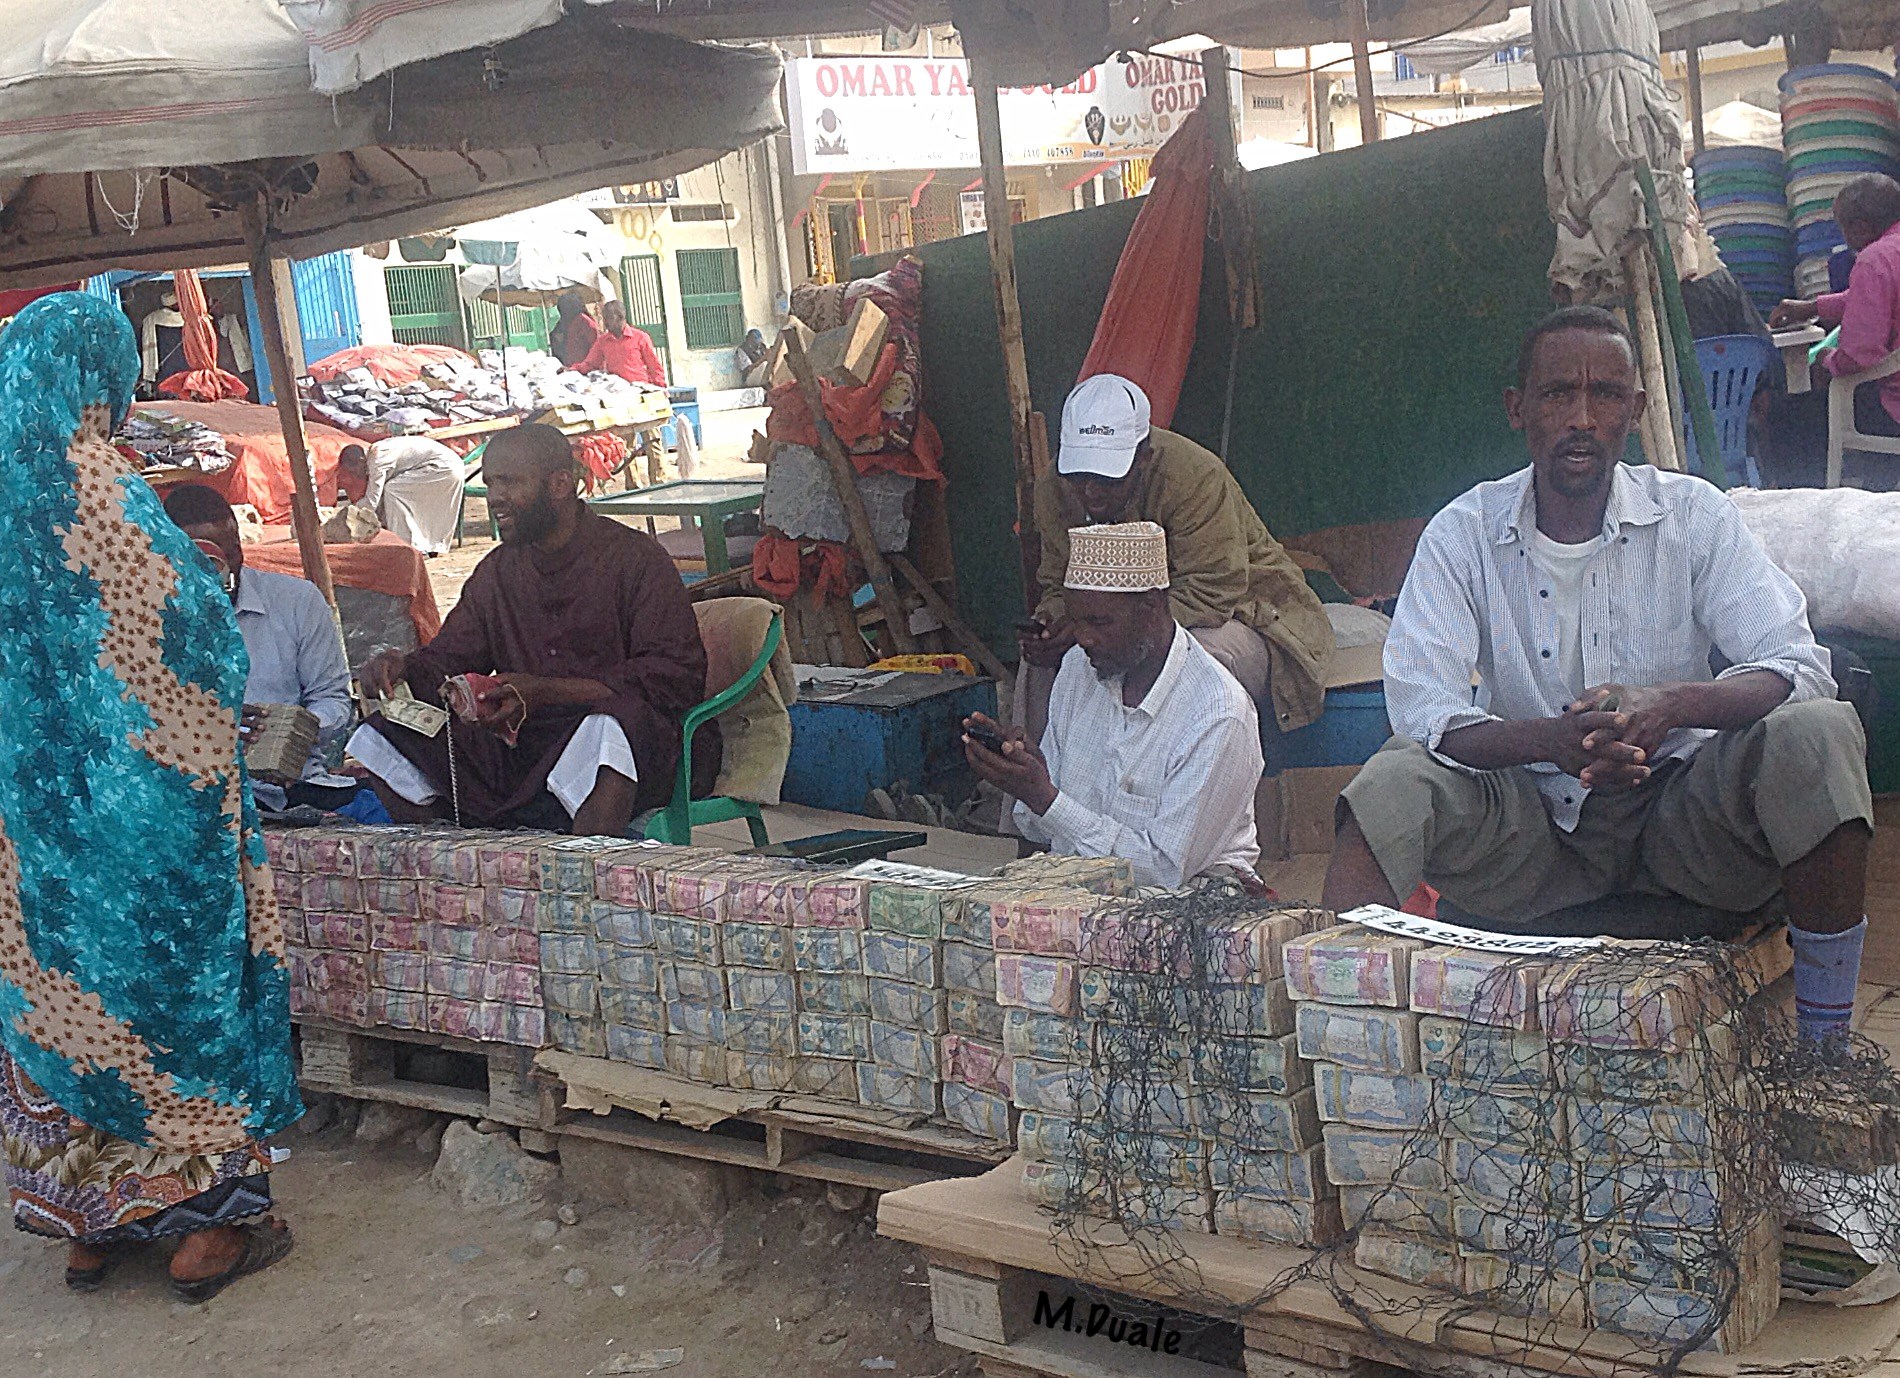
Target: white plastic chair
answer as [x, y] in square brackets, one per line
[1841, 434]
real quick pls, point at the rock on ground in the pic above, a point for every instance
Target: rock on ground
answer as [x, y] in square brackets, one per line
[685, 1191]
[384, 1123]
[484, 1171]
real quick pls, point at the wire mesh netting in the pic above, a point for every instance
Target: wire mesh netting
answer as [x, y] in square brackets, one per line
[1547, 1144]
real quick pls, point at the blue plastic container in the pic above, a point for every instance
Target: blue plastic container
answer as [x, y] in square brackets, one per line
[685, 404]
[1351, 726]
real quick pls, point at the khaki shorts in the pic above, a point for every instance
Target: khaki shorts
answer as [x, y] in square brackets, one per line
[1715, 829]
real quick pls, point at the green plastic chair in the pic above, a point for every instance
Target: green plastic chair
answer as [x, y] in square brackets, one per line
[675, 822]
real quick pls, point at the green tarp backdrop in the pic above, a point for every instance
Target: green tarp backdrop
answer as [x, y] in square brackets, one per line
[1396, 281]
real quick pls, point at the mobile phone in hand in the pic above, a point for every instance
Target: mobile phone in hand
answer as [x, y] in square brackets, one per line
[988, 738]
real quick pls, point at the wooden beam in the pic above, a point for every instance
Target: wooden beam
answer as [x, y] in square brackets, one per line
[955, 625]
[845, 477]
[275, 309]
[1361, 30]
[1655, 427]
[1692, 78]
[1000, 232]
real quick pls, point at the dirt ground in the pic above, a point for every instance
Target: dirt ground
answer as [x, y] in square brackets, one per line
[390, 1276]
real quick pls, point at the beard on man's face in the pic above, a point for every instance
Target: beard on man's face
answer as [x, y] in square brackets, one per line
[532, 522]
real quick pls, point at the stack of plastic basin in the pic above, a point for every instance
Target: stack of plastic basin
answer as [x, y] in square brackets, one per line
[1838, 121]
[1742, 195]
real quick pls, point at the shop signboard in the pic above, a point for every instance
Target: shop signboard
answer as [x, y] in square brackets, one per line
[869, 113]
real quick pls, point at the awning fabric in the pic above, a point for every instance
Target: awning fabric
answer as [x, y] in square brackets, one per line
[1027, 44]
[112, 110]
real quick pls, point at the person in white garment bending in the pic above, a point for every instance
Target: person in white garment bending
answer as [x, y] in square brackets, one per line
[413, 483]
[1598, 755]
[1152, 749]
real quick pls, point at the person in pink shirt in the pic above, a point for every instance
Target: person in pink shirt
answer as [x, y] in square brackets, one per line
[1868, 211]
[623, 351]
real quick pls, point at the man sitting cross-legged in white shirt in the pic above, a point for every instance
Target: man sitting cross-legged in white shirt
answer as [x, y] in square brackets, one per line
[1152, 749]
[1599, 755]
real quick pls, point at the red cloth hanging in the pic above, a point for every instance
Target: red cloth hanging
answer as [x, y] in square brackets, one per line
[1147, 327]
[203, 380]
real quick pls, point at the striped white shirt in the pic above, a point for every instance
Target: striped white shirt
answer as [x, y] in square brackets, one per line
[1677, 574]
[1167, 785]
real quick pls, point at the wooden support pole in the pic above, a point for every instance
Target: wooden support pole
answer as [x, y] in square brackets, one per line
[274, 309]
[955, 625]
[1001, 235]
[1656, 427]
[845, 477]
[1361, 31]
[1235, 228]
[1692, 78]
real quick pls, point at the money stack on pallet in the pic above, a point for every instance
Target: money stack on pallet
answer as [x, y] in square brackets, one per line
[406, 929]
[1551, 1136]
[1155, 1066]
[1254, 1104]
[1354, 1028]
[970, 1054]
[1676, 1179]
[599, 967]
[976, 1069]
[902, 954]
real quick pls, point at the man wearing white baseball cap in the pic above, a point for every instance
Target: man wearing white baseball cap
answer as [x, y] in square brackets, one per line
[1231, 585]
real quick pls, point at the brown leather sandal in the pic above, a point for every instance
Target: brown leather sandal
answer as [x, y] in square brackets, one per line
[265, 1242]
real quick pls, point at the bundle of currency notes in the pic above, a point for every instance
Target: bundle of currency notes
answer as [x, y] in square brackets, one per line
[1546, 1134]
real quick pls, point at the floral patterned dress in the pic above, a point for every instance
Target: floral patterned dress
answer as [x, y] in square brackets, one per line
[144, 1012]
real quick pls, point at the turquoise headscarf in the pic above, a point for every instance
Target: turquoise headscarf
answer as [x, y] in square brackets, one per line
[142, 979]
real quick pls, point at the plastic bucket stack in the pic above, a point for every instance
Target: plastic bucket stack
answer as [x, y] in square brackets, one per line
[1741, 194]
[1838, 120]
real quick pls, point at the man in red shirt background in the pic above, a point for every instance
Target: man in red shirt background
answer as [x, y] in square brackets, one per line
[623, 351]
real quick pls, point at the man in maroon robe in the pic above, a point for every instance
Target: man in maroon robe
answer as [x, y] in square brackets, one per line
[590, 633]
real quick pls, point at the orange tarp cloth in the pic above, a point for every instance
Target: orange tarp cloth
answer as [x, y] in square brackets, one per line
[260, 465]
[857, 415]
[203, 380]
[1147, 327]
[392, 364]
[387, 564]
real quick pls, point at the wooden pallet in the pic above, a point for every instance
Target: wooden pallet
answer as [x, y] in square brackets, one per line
[343, 1061]
[830, 1147]
[798, 1136]
[998, 1273]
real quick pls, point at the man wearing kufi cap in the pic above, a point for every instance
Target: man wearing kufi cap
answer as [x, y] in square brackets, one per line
[1152, 749]
[1230, 583]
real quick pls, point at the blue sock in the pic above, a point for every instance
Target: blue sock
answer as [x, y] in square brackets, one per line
[1826, 971]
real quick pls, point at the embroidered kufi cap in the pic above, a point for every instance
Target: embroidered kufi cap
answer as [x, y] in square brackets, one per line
[1127, 557]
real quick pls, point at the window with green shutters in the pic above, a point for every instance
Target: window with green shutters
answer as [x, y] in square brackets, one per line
[424, 307]
[710, 299]
[527, 326]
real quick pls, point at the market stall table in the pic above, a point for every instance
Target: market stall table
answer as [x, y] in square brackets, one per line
[378, 585]
[707, 501]
[260, 464]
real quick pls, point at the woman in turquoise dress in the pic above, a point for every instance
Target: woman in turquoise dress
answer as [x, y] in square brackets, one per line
[144, 1016]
